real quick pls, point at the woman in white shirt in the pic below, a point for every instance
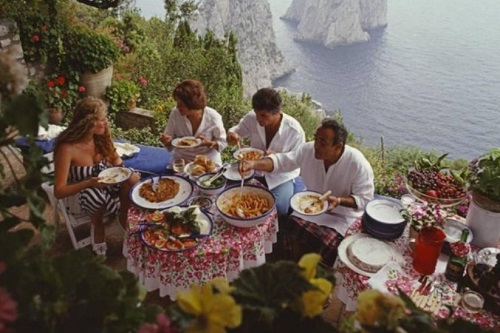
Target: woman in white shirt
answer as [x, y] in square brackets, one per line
[192, 117]
[273, 131]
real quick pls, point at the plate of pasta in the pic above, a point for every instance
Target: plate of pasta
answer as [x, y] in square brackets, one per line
[245, 209]
[176, 229]
[161, 192]
[114, 175]
[186, 142]
[248, 154]
[308, 203]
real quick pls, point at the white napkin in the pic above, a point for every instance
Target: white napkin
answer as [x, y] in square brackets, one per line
[51, 132]
[389, 272]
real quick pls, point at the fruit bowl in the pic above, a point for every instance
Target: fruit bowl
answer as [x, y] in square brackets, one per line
[443, 202]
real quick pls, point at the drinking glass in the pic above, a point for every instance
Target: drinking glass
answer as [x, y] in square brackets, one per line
[178, 165]
[427, 248]
[472, 301]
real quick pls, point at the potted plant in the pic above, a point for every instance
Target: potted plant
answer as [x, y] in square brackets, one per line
[484, 180]
[122, 95]
[484, 209]
[93, 55]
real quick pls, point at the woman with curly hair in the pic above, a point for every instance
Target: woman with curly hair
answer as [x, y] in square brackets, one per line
[81, 152]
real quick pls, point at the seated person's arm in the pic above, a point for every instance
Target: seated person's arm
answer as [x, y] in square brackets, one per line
[264, 164]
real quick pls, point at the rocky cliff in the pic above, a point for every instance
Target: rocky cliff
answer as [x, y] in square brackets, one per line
[251, 21]
[336, 22]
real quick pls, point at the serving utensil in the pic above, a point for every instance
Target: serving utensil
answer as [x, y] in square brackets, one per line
[208, 182]
[240, 211]
[155, 182]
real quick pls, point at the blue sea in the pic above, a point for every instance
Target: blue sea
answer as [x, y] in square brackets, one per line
[430, 79]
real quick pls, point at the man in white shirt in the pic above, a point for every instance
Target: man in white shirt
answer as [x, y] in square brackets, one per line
[326, 164]
[273, 131]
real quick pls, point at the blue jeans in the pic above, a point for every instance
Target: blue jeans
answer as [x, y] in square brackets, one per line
[283, 193]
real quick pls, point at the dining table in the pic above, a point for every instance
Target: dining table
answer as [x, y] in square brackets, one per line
[401, 275]
[225, 253]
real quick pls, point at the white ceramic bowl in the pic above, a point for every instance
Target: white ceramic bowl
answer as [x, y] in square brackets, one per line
[301, 200]
[248, 153]
[212, 189]
[227, 197]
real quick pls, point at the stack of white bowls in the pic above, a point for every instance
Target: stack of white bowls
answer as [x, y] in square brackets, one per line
[383, 219]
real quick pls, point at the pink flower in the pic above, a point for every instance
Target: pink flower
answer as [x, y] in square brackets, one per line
[163, 325]
[60, 80]
[44, 28]
[126, 48]
[460, 249]
[143, 81]
[36, 38]
[8, 309]
[81, 89]
[51, 84]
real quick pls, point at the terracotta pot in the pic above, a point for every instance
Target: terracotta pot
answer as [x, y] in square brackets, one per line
[96, 83]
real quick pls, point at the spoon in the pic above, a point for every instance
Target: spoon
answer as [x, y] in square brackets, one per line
[321, 198]
[240, 211]
[208, 182]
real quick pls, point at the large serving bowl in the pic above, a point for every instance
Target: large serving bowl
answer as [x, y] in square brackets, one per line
[215, 187]
[383, 219]
[229, 199]
[443, 202]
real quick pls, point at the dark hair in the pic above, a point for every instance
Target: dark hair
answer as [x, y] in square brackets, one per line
[338, 129]
[191, 93]
[266, 99]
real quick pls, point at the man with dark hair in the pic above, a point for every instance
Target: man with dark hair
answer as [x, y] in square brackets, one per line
[326, 164]
[273, 131]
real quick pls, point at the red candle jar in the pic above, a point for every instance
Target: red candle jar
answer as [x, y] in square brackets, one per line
[427, 248]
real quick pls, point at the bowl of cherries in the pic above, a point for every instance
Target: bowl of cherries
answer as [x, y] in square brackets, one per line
[432, 182]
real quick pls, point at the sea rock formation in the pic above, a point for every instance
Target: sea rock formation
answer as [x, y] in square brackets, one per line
[336, 22]
[251, 21]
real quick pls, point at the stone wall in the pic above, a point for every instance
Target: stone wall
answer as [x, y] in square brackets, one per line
[11, 42]
[136, 118]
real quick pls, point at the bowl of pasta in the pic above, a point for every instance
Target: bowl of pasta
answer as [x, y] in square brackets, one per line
[246, 208]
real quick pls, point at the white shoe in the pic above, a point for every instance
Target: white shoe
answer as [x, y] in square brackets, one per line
[100, 249]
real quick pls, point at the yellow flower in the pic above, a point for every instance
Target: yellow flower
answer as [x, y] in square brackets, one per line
[313, 300]
[309, 262]
[378, 309]
[222, 285]
[214, 312]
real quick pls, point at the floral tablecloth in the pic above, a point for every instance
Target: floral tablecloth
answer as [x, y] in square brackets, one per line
[350, 283]
[225, 253]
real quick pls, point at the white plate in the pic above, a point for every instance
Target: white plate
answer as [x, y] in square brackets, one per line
[193, 142]
[385, 211]
[204, 221]
[185, 191]
[487, 256]
[114, 175]
[189, 166]
[246, 151]
[233, 174]
[125, 149]
[301, 200]
[342, 251]
[453, 230]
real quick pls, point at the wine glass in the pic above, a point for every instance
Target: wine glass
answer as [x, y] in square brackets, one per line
[178, 165]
